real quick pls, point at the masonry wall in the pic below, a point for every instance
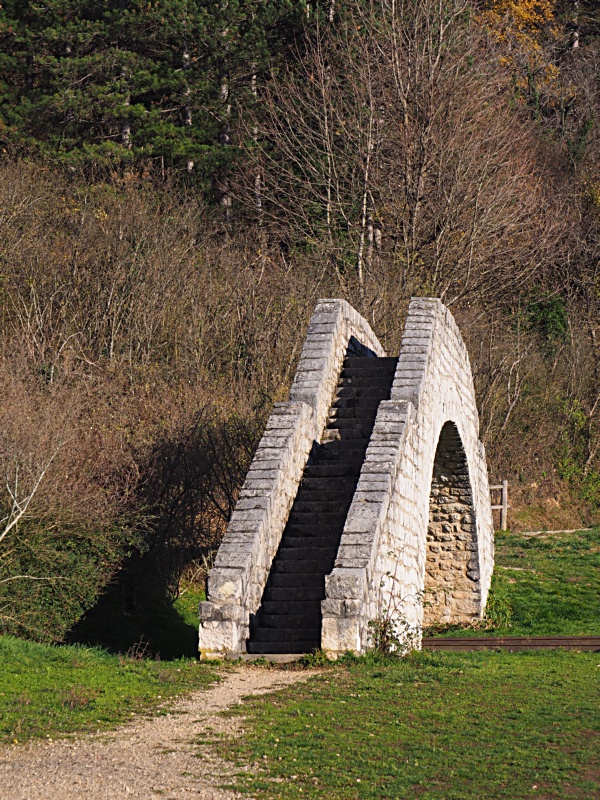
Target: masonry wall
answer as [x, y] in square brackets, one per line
[452, 562]
[237, 581]
[380, 570]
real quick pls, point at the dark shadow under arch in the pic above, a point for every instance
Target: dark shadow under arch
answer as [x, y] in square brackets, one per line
[452, 584]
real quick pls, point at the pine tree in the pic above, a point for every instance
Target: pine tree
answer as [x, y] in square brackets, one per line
[134, 82]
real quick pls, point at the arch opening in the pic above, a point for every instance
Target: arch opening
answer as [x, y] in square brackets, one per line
[452, 584]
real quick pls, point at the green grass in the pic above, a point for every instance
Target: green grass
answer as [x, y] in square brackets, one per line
[437, 726]
[448, 726]
[49, 691]
[543, 586]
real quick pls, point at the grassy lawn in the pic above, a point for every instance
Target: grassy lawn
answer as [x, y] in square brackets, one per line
[543, 585]
[49, 691]
[437, 726]
[452, 726]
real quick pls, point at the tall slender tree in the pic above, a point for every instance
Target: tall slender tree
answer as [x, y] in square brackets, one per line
[118, 82]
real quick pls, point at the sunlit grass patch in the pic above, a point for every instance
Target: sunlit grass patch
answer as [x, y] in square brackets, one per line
[547, 585]
[440, 726]
[48, 691]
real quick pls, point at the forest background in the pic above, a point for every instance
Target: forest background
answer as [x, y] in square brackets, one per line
[180, 181]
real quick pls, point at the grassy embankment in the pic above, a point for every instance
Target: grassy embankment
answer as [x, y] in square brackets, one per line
[449, 726]
[49, 691]
[546, 585]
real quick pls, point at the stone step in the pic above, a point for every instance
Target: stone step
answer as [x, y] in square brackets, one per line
[383, 362]
[365, 382]
[287, 620]
[351, 423]
[304, 533]
[292, 541]
[305, 554]
[321, 487]
[304, 608]
[352, 450]
[350, 373]
[327, 483]
[329, 470]
[343, 436]
[293, 594]
[314, 506]
[312, 634]
[355, 412]
[299, 529]
[365, 405]
[327, 489]
[288, 580]
[351, 458]
[360, 393]
[350, 428]
[275, 648]
[305, 567]
[332, 520]
[346, 425]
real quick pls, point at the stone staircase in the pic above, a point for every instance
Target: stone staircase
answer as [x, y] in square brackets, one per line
[289, 617]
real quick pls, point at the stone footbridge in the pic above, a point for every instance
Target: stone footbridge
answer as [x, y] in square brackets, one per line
[367, 504]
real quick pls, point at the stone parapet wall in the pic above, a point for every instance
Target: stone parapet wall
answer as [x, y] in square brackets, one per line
[334, 327]
[379, 574]
[352, 589]
[241, 569]
[237, 581]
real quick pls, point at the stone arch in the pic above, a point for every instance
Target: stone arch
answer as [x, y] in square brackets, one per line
[451, 582]
[380, 569]
[428, 427]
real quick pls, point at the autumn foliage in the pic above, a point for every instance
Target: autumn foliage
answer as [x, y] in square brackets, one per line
[156, 289]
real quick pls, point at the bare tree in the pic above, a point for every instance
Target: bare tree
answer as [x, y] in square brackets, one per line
[401, 115]
[19, 498]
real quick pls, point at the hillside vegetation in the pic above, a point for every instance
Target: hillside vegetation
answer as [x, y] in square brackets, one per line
[180, 182]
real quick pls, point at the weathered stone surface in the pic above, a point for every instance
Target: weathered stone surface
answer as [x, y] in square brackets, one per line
[243, 562]
[420, 525]
[430, 420]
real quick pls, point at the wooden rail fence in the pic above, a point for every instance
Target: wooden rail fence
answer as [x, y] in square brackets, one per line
[503, 506]
[512, 643]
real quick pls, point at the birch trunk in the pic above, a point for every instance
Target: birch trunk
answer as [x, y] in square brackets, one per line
[364, 211]
[187, 109]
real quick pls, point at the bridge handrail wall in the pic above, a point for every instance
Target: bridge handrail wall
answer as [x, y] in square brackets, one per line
[384, 539]
[237, 581]
[351, 591]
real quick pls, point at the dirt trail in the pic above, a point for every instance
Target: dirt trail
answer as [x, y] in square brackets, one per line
[148, 758]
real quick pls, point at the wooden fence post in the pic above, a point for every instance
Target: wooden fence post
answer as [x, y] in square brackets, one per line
[503, 506]
[504, 509]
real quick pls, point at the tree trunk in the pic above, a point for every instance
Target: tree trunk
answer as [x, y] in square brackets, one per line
[187, 109]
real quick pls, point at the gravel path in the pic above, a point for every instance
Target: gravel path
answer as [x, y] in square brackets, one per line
[149, 758]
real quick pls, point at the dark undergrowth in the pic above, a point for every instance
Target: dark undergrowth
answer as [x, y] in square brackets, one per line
[167, 630]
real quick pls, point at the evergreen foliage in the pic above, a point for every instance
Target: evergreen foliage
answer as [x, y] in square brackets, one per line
[112, 84]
